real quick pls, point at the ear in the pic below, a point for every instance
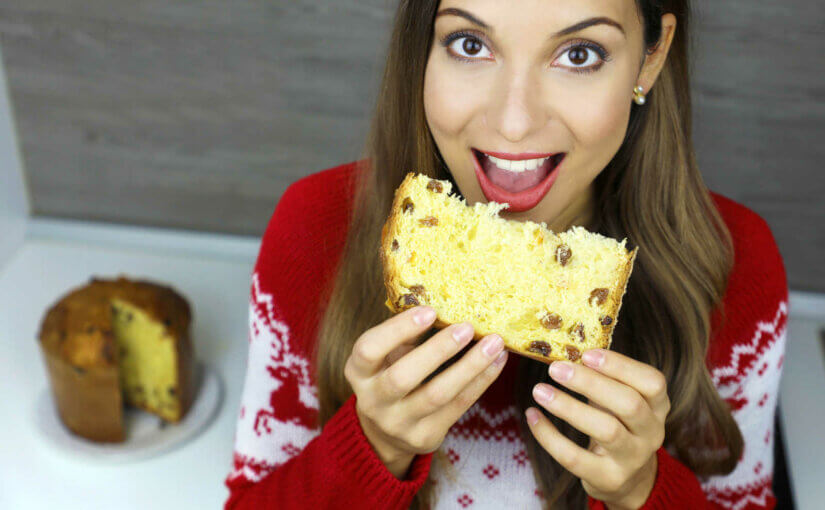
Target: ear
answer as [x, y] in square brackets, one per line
[655, 61]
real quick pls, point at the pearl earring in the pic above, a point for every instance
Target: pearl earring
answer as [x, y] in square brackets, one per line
[638, 95]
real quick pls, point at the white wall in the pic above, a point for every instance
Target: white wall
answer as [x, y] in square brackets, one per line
[14, 205]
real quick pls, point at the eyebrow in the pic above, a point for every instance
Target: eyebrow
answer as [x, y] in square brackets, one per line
[581, 25]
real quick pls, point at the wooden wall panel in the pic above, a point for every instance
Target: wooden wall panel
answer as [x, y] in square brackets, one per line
[199, 114]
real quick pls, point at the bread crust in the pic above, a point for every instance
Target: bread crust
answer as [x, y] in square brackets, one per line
[88, 403]
[392, 283]
[617, 298]
[391, 272]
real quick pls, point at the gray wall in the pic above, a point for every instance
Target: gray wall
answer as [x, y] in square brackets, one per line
[194, 114]
[200, 114]
[759, 119]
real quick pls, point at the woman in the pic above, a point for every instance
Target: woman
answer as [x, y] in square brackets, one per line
[345, 406]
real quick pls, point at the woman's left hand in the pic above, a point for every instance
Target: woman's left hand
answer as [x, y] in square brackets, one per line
[625, 420]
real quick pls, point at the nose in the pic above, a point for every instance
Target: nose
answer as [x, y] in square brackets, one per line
[516, 107]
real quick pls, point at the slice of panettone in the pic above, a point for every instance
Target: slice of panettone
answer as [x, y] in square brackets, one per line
[550, 296]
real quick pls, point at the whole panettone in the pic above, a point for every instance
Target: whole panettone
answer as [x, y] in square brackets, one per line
[550, 296]
[116, 342]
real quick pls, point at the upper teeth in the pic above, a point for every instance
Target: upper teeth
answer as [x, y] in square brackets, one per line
[518, 166]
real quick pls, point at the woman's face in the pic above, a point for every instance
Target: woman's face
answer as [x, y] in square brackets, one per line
[519, 88]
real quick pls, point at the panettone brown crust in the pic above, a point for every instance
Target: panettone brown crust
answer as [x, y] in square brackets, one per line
[77, 340]
[89, 402]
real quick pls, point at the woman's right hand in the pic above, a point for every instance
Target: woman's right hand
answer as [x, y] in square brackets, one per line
[400, 416]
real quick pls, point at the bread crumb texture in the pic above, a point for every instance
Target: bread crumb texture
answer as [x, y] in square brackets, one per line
[550, 296]
[148, 361]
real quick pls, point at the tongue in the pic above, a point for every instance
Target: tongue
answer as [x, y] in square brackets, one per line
[515, 182]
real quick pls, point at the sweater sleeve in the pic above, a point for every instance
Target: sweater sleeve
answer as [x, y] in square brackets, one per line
[675, 487]
[745, 362]
[335, 469]
[282, 458]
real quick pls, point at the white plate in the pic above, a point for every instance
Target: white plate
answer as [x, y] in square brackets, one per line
[146, 434]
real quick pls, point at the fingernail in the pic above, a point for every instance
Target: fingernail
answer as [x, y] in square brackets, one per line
[492, 345]
[424, 316]
[593, 358]
[543, 393]
[463, 333]
[501, 359]
[532, 416]
[561, 371]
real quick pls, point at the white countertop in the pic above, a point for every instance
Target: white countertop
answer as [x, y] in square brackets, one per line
[213, 271]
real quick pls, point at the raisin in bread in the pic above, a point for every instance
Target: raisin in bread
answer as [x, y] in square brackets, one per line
[550, 296]
[115, 342]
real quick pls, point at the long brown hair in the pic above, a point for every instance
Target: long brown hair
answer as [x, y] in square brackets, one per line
[650, 193]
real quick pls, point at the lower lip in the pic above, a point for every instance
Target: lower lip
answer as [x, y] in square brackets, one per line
[521, 201]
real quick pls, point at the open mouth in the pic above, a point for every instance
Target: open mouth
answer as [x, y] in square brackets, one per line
[520, 183]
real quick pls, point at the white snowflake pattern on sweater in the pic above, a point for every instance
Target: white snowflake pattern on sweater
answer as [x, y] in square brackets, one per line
[750, 383]
[268, 433]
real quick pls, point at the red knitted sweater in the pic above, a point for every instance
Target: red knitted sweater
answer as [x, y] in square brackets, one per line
[284, 460]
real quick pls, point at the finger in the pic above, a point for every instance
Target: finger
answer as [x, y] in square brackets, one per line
[407, 373]
[397, 353]
[647, 380]
[595, 447]
[372, 348]
[621, 400]
[582, 463]
[448, 414]
[444, 387]
[599, 425]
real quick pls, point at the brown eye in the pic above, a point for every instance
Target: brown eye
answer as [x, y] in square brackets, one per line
[578, 56]
[471, 46]
[583, 57]
[466, 47]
